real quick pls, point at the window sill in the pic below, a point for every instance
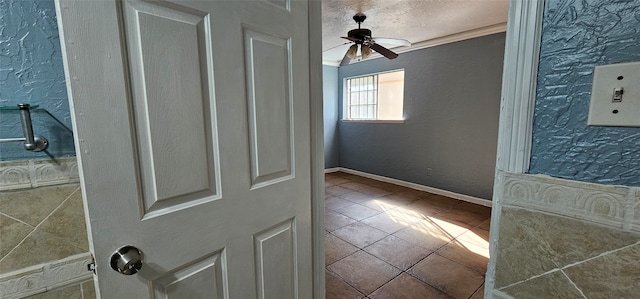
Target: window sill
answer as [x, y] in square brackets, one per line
[374, 121]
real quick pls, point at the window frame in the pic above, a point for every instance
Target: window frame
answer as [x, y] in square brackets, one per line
[346, 99]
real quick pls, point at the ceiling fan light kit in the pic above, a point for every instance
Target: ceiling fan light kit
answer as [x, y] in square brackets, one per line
[361, 38]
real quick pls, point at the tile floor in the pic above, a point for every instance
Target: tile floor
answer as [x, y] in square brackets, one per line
[41, 225]
[388, 241]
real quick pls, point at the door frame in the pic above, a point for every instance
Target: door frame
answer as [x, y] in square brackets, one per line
[317, 146]
[515, 129]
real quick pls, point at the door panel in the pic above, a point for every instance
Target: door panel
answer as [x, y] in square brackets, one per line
[192, 128]
[173, 110]
[270, 102]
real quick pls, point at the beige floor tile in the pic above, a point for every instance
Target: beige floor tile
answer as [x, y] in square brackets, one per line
[474, 208]
[334, 220]
[448, 276]
[336, 203]
[471, 255]
[423, 208]
[336, 288]
[358, 212]
[389, 222]
[401, 199]
[485, 225]
[425, 235]
[12, 232]
[439, 200]
[397, 252]
[337, 190]
[67, 222]
[462, 218]
[406, 287]
[336, 249]
[375, 191]
[359, 234]
[357, 186]
[37, 248]
[364, 271]
[356, 197]
[479, 294]
[33, 205]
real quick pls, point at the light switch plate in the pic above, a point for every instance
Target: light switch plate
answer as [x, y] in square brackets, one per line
[608, 110]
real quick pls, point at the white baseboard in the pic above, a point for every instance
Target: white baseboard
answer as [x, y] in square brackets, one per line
[458, 196]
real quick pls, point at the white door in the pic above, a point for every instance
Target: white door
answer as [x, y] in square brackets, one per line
[193, 134]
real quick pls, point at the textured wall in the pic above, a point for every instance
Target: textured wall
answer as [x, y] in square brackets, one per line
[448, 140]
[578, 35]
[31, 71]
[330, 99]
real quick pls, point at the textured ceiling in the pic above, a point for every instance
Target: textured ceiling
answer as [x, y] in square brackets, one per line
[413, 20]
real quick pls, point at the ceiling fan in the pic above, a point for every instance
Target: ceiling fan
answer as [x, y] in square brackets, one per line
[362, 37]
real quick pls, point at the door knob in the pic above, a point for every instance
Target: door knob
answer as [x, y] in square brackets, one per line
[127, 260]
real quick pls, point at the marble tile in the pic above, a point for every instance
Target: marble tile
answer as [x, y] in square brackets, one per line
[541, 242]
[616, 275]
[88, 290]
[448, 276]
[39, 247]
[68, 222]
[336, 249]
[552, 285]
[364, 271]
[397, 252]
[336, 288]
[358, 212]
[334, 220]
[407, 287]
[12, 232]
[359, 234]
[69, 292]
[33, 205]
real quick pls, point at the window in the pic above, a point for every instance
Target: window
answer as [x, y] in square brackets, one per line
[374, 97]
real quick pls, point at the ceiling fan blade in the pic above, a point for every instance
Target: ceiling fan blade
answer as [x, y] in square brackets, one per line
[345, 60]
[353, 39]
[384, 51]
[392, 41]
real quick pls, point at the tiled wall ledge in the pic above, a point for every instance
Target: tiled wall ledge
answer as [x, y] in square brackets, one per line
[45, 277]
[614, 206]
[566, 239]
[37, 173]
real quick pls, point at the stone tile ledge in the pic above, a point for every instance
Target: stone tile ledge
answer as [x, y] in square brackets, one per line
[45, 277]
[36, 173]
[613, 206]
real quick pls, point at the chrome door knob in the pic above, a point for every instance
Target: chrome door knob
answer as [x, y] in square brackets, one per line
[127, 260]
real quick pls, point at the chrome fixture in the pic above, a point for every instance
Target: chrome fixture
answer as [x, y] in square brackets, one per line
[31, 142]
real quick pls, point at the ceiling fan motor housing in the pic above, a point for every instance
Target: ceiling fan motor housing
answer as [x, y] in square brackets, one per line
[360, 34]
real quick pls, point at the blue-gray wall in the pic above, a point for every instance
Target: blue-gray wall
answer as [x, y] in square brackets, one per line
[31, 71]
[330, 101]
[578, 35]
[451, 106]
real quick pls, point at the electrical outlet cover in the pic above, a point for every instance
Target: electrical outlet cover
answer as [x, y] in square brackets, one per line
[603, 110]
